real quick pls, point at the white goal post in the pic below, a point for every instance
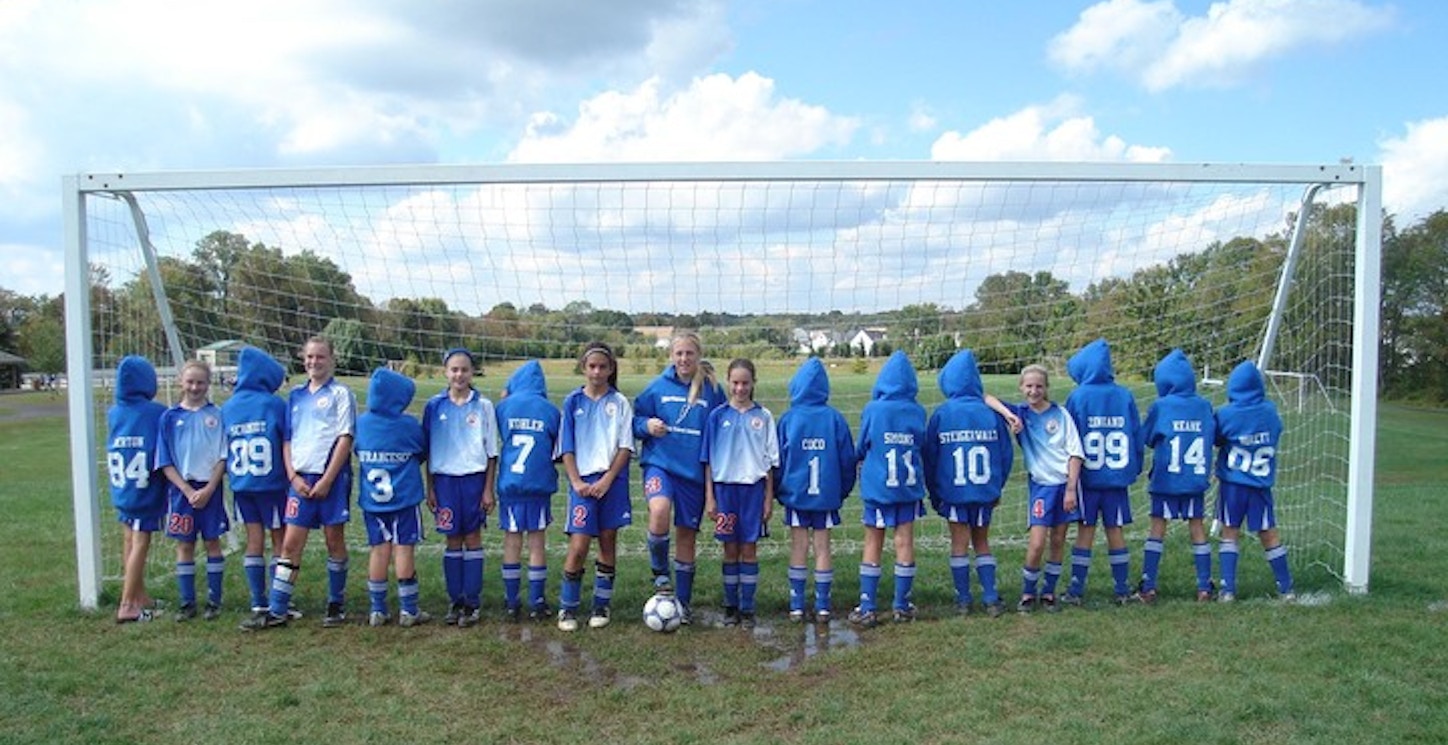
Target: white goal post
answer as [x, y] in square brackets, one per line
[1023, 262]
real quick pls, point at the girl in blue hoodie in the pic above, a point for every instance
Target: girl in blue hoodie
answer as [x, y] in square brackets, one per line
[527, 477]
[1248, 432]
[817, 468]
[1179, 429]
[892, 485]
[390, 449]
[968, 457]
[255, 420]
[138, 490]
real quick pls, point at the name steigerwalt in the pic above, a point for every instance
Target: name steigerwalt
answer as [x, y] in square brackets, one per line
[969, 435]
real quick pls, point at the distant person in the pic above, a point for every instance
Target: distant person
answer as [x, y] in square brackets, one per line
[529, 426]
[595, 443]
[817, 470]
[461, 428]
[192, 455]
[138, 489]
[1180, 430]
[1249, 430]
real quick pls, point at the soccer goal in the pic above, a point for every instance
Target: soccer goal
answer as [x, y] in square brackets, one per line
[1022, 262]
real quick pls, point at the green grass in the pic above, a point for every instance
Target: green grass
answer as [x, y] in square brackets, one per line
[1351, 668]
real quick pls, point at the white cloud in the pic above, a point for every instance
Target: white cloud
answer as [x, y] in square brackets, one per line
[1415, 169]
[1162, 48]
[717, 117]
[1052, 132]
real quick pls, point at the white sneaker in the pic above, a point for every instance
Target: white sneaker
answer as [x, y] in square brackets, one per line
[600, 618]
[567, 621]
[408, 620]
[375, 619]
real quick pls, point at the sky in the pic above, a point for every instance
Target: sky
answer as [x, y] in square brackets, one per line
[149, 85]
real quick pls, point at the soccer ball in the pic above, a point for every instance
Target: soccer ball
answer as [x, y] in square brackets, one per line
[663, 613]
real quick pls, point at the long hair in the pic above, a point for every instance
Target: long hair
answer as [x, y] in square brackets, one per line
[598, 347]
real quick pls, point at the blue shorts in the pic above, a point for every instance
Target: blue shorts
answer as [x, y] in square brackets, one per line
[333, 509]
[591, 516]
[459, 503]
[1045, 506]
[687, 496]
[812, 519]
[974, 514]
[260, 507]
[1179, 506]
[185, 523]
[891, 515]
[150, 524]
[399, 527]
[1111, 507]
[1237, 504]
[525, 515]
[739, 514]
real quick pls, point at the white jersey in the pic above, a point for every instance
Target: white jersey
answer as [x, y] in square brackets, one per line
[1049, 440]
[192, 442]
[461, 438]
[315, 420]
[594, 431]
[741, 447]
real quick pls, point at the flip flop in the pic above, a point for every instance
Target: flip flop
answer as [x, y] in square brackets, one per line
[146, 615]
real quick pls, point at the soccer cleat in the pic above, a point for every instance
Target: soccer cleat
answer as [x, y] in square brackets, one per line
[540, 612]
[377, 618]
[996, 609]
[1049, 604]
[212, 612]
[1071, 599]
[600, 617]
[263, 620]
[731, 615]
[686, 616]
[1227, 597]
[454, 611]
[1122, 599]
[513, 613]
[567, 620]
[796, 616]
[1148, 597]
[662, 585]
[1026, 604]
[865, 619]
[408, 620]
[822, 617]
[185, 613]
[906, 614]
[468, 617]
[336, 616]
[1288, 597]
[293, 612]
[964, 609]
[747, 621]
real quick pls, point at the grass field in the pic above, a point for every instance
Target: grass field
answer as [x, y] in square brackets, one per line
[1370, 668]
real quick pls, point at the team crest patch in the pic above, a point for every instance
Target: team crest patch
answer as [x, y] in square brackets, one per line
[472, 420]
[1052, 426]
[324, 401]
[610, 408]
[211, 422]
[756, 423]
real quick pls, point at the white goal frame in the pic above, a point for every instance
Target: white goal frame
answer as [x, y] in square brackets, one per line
[88, 488]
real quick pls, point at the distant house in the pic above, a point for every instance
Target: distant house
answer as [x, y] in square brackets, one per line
[11, 367]
[863, 341]
[221, 353]
[814, 341]
[661, 336]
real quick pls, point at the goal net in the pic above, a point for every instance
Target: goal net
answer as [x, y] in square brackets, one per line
[1020, 262]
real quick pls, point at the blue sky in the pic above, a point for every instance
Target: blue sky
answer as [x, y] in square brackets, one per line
[143, 85]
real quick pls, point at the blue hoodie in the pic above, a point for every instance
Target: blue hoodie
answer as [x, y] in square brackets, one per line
[968, 451]
[1105, 414]
[667, 398]
[389, 446]
[138, 490]
[1248, 430]
[255, 419]
[528, 425]
[816, 453]
[892, 431]
[1179, 429]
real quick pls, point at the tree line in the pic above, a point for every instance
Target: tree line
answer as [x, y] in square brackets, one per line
[1211, 302]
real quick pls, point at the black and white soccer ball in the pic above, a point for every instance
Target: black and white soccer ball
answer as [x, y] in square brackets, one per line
[663, 613]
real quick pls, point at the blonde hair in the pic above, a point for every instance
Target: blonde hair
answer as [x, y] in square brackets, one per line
[703, 377]
[195, 365]
[1034, 368]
